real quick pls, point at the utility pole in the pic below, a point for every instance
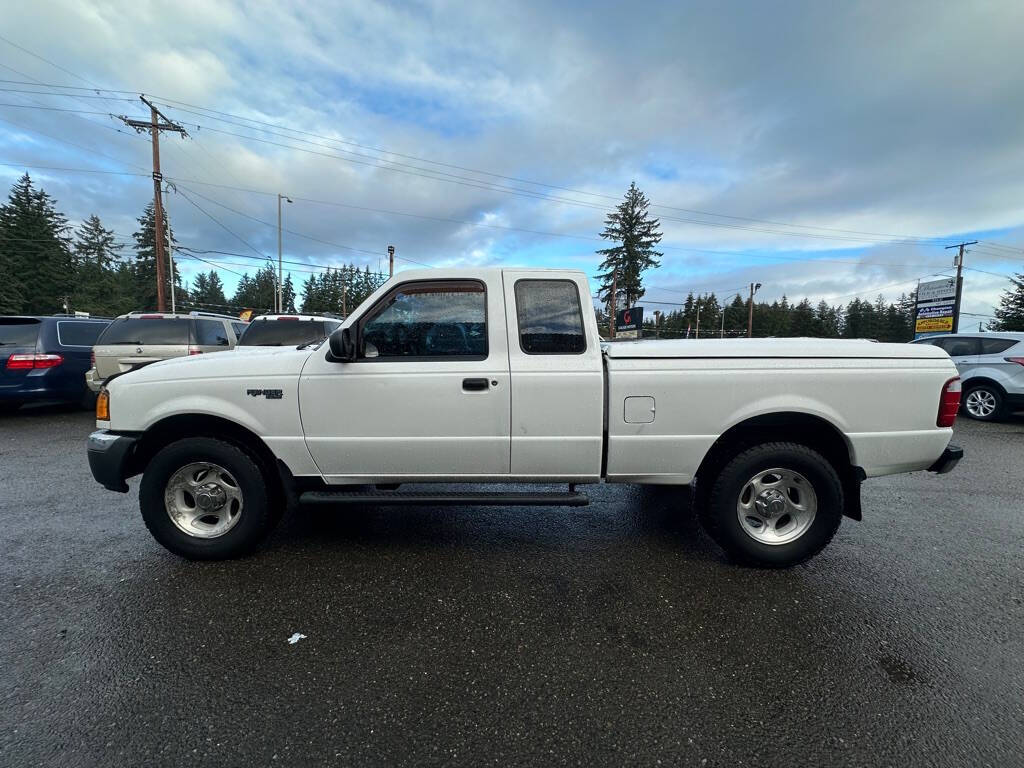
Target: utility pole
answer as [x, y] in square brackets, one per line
[154, 126]
[959, 281]
[724, 307]
[696, 334]
[615, 290]
[280, 269]
[344, 299]
[391, 261]
[754, 287]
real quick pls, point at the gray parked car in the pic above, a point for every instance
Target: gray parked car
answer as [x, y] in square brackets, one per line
[991, 368]
[140, 338]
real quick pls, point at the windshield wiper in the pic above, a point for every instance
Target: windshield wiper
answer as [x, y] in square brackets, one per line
[305, 344]
[116, 343]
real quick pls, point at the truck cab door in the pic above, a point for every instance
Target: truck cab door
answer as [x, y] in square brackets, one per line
[428, 396]
[557, 422]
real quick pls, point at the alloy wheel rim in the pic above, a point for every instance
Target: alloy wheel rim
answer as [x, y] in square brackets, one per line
[981, 402]
[203, 500]
[776, 506]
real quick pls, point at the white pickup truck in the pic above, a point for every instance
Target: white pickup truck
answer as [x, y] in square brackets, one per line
[483, 376]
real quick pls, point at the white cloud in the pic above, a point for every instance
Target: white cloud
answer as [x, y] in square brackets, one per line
[902, 118]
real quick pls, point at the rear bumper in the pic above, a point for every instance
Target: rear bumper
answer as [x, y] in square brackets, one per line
[108, 456]
[93, 381]
[948, 460]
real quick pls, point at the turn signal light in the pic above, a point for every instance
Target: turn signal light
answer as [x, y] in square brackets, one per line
[23, 362]
[949, 403]
[103, 406]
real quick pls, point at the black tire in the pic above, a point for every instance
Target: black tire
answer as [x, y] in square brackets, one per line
[721, 521]
[256, 517]
[990, 394]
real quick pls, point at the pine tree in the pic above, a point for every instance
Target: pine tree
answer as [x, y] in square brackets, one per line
[98, 284]
[144, 268]
[802, 320]
[1010, 312]
[208, 292]
[637, 234]
[34, 249]
[11, 290]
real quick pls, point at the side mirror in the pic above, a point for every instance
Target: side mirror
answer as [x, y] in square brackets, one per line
[343, 346]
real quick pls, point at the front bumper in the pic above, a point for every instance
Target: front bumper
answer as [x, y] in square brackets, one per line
[948, 460]
[93, 380]
[108, 456]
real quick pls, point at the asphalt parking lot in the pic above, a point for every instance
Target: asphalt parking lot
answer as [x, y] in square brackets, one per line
[613, 634]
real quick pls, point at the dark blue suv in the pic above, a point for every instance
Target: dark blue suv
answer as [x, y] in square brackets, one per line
[45, 359]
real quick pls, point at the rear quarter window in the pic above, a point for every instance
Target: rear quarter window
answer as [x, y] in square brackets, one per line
[146, 330]
[995, 346]
[550, 318]
[211, 333]
[78, 333]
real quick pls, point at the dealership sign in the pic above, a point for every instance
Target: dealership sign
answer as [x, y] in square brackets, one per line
[628, 322]
[936, 307]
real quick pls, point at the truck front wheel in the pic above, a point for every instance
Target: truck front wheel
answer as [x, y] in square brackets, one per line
[774, 505]
[205, 499]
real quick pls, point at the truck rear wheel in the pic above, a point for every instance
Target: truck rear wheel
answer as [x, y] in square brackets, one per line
[774, 505]
[206, 499]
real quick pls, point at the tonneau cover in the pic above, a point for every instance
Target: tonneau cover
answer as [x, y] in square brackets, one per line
[771, 348]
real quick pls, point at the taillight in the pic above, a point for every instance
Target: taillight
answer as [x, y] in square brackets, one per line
[92, 358]
[1017, 360]
[25, 362]
[194, 350]
[949, 403]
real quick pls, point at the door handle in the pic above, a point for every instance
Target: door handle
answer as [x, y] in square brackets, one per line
[475, 385]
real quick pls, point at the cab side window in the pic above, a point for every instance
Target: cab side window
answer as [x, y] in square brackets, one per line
[239, 329]
[430, 319]
[549, 317]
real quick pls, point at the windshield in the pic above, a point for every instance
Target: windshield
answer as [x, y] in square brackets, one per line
[18, 332]
[146, 330]
[282, 333]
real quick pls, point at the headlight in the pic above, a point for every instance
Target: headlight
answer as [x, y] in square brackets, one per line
[103, 406]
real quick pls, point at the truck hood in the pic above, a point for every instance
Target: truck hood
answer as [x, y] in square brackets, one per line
[771, 348]
[240, 362]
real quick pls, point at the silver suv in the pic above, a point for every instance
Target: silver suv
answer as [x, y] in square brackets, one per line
[139, 338]
[991, 368]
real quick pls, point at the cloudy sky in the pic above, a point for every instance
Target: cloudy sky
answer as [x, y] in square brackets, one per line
[827, 150]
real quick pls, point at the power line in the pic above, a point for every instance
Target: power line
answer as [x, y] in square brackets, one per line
[223, 226]
[211, 113]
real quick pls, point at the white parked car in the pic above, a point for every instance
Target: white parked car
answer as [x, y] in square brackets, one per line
[991, 367]
[287, 330]
[482, 376]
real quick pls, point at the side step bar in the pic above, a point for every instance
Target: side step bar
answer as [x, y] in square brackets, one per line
[450, 498]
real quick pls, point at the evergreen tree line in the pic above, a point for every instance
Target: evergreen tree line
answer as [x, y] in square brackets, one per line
[46, 267]
[339, 291]
[857, 320]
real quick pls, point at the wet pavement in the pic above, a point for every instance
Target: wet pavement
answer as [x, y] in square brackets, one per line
[614, 634]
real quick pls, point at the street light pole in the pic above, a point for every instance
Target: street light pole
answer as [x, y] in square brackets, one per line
[280, 263]
[750, 316]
